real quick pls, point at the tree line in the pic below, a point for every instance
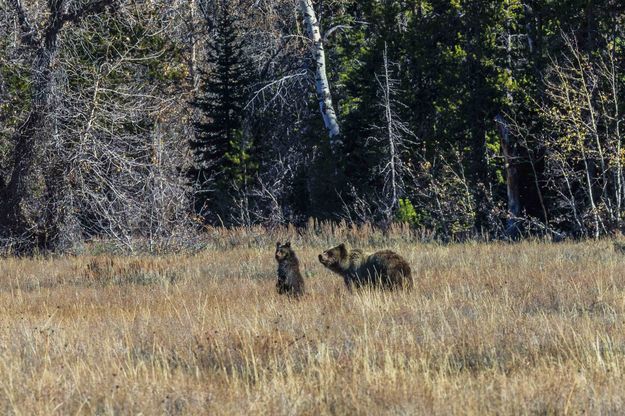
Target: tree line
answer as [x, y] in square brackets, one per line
[146, 121]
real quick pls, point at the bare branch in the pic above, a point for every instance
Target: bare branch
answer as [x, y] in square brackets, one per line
[86, 10]
[29, 34]
[276, 85]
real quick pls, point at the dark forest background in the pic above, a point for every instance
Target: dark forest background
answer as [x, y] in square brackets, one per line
[148, 121]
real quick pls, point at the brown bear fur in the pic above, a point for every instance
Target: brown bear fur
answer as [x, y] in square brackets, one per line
[290, 280]
[384, 268]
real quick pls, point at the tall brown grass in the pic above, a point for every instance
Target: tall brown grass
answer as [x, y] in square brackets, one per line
[530, 328]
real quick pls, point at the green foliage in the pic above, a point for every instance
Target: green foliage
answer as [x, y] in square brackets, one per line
[406, 213]
[221, 146]
[457, 64]
[241, 164]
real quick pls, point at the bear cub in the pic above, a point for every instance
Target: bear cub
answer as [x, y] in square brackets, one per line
[290, 280]
[385, 268]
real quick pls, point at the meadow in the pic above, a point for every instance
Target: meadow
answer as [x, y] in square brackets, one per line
[490, 328]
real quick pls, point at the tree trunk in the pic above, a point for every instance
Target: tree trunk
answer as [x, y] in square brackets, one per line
[321, 78]
[509, 148]
[512, 178]
[25, 196]
[18, 212]
[391, 137]
[193, 58]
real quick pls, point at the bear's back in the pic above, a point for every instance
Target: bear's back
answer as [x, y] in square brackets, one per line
[385, 267]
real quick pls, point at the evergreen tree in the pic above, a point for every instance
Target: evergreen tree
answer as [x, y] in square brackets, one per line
[221, 146]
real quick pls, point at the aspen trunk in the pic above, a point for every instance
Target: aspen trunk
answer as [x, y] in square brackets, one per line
[193, 66]
[321, 78]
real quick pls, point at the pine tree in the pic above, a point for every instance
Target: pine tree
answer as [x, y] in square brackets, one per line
[220, 146]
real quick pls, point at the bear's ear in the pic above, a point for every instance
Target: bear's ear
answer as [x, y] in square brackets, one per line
[343, 249]
[287, 244]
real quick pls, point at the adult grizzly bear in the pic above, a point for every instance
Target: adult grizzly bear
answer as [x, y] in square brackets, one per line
[290, 280]
[384, 268]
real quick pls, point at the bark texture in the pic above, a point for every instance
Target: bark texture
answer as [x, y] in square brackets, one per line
[322, 84]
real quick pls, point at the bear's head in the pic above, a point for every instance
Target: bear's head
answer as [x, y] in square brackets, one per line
[333, 257]
[283, 251]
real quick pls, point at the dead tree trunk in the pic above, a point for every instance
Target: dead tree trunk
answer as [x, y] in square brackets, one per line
[322, 84]
[509, 149]
[512, 178]
[391, 135]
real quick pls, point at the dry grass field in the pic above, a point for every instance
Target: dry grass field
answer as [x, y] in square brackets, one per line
[529, 328]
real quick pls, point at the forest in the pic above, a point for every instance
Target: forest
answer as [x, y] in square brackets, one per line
[146, 123]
